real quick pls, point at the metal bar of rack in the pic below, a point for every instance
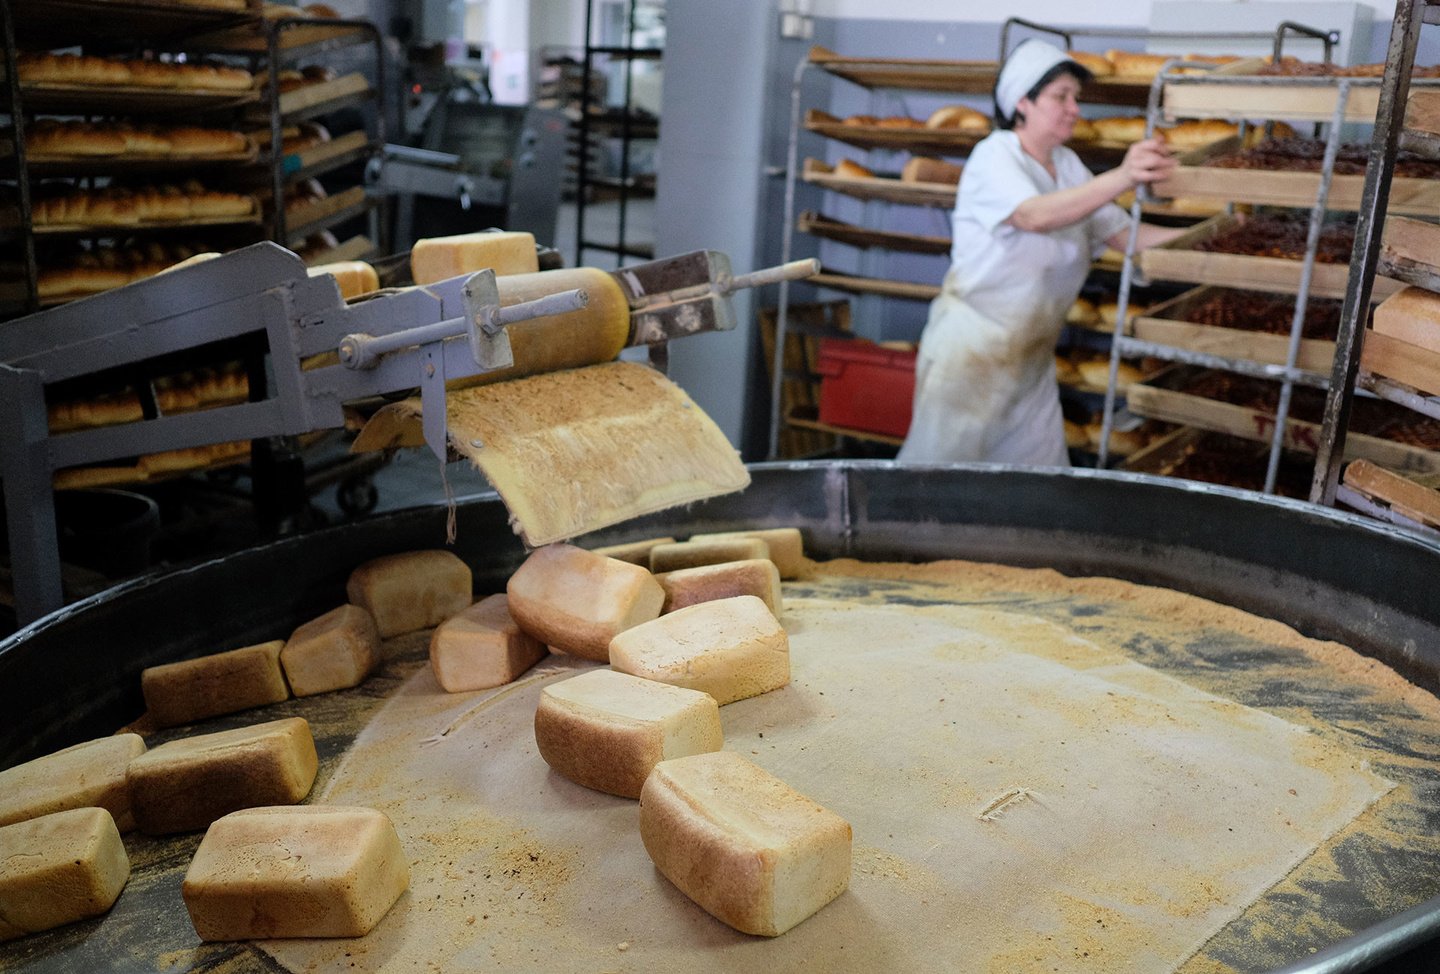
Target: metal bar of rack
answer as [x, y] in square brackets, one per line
[1389, 124]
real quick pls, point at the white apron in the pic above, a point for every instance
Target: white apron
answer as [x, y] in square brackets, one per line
[985, 378]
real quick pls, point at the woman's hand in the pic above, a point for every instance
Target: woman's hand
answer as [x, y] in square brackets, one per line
[1147, 161]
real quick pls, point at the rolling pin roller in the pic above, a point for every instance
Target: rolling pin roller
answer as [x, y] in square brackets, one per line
[572, 440]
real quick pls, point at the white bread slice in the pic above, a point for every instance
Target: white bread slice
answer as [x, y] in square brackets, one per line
[334, 652]
[692, 554]
[751, 850]
[208, 686]
[691, 586]
[305, 871]
[731, 649]
[411, 590]
[185, 785]
[88, 774]
[787, 546]
[606, 730]
[441, 258]
[59, 868]
[577, 601]
[635, 552]
[482, 647]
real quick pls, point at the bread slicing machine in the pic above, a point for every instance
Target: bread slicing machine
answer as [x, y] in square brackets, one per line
[454, 331]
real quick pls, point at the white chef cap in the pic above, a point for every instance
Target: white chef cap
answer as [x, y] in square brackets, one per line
[1025, 66]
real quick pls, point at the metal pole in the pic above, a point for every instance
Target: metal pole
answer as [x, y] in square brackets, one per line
[582, 159]
[787, 242]
[1389, 123]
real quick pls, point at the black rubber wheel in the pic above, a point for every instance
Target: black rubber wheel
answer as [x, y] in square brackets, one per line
[357, 495]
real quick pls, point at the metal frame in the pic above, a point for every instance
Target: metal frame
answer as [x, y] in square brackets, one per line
[275, 55]
[1389, 125]
[629, 53]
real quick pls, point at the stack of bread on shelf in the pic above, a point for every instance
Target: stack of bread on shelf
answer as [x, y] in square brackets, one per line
[180, 392]
[86, 70]
[90, 271]
[115, 206]
[73, 137]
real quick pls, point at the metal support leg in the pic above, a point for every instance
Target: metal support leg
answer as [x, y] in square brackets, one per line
[29, 503]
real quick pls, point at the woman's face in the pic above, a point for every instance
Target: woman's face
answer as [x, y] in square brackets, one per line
[1053, 112]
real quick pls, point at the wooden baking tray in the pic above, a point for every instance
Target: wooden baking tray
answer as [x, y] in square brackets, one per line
[1400, 361]
[1163, 398]
[1403, 496]
[301, 221]
[923, 141]
[874, 285]
[884, 188]
[1236, 91]
[1178, 260]
[857, 236]
[919, 74]
[127, 100]
[1410, 252]
[1193, 178]
[1166, 324]
[318, 98]
[250, 38]
[327, 155]
[61, 229]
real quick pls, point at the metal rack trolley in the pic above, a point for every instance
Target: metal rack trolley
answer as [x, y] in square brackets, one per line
[937, 83]
[1346, 377]
[1288, 374]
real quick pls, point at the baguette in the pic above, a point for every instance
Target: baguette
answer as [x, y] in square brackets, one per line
[959, 117]
[1133, 65]
[1097, 64]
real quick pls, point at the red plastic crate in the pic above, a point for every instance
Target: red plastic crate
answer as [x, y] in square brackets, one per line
[865, 386]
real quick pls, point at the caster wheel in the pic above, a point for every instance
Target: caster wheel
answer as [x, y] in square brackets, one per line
[357, 496]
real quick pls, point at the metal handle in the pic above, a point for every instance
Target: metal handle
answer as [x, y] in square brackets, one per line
[363, 351]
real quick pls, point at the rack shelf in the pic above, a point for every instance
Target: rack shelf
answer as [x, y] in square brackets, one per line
[57, 23]
[126, 100]
[884, 188]
[863, 237]
[807, 417]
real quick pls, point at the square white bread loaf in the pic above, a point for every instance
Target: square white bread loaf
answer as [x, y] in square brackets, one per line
[751, 850]
[441, 258]
[85, 775]
[607, 730]
[691, 554]
[787, 546]
[482, 647]
[59, 868]
[306, 871]
[411, 590]
[690, 586]
[576, 601]
[635, 552]
[334, 652]
[730, 648]
[185, 785]
[208, 686]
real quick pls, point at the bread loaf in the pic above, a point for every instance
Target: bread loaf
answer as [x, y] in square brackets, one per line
[691, 586]
[852, 170]
[1097, 64]
[635, 552]
[1084, 131]
[308, 871]
[731, 649]
[336, 651]
[354, 277]
[222, 683]
[505, 252]
[1119, 129]
[786, 546]
[695, 552]
[577, 601]
[749, 849]
[1136, 66]
[59, 868]
[482, 647]
[185, 785]
[960, 118]
[1410, 315]
[88, 774]
[920, 169]
[412, 590]
[607, 730]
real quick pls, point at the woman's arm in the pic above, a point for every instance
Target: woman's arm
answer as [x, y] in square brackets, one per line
[1150, 236]
[1145, 162]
